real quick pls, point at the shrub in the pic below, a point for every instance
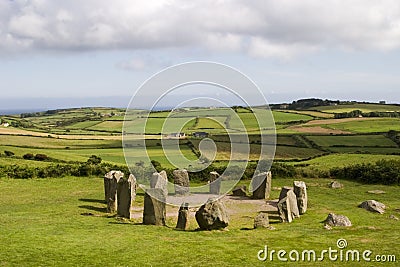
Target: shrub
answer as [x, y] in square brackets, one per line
[41, 157]
[9, 153]
[28, 156]
[95, 160]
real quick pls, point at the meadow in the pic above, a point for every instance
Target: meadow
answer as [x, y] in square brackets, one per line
[42, 224]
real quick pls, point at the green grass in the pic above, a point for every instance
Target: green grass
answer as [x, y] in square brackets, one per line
[83, 124]
[362, 107]
[284, 117]
[46, 142]
[42, 225]
[112, 126]
[367, 126]
[352, 140]
[340, 160]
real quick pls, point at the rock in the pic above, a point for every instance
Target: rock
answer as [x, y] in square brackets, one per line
[327, 227]
[181, 181]
[261, 185]
[335, 185]
[183, 214]
[239, 191]
[393, 217]
[376, 192]
[373, 205]
[288, 193]
[300, 190]
[160, 180]
[212, 215]
[284, 210]
[110, 189]
[126, 195]
[261, 220]
[337, 220]
[215, 183]
[154, 207]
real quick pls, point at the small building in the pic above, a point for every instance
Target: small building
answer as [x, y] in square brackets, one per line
[200, 134]
[177, 135]
[382, 102]
[6, 124]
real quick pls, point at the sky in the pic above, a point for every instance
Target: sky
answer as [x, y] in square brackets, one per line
[97, 52]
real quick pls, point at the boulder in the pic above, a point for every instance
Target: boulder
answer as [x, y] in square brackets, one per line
[160, 180]
[215, 183]
[335, 185]
[239, 191]
[110, 189]
[337, 220]
[261, 220]
[183, 214]
[126, 195]
[288, 193]
[154, 207]
[393, 217]
[181, 181]
[373, 205]
[212, 215]
[300, 190]
[284, 211]
[261, 185]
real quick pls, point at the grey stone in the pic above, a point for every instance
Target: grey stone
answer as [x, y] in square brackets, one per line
[212, 215]
[160, 180]
[373, 205]
[376, 192]
[393, 217]
[261, 185]
[183, 214]
[215, 183]
[126, 195]
[154, 207]
[284, 211]
[337, 220]
[239, 191]
[335, 185]
[300, 189]
[261, 220]
[110, 189]
[181, 181]
[288, 193]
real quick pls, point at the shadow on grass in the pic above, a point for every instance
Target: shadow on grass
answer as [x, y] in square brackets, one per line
[104, 210]
[90, 200]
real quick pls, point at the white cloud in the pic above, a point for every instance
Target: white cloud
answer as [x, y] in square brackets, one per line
[282, 29]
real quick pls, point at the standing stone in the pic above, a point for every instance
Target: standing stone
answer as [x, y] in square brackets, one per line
[126, 194]
[284, 210]
[212, 215]
[261, 185]
[154, 207]
[300, 189]
[287, 192]
[160, 180]
[373, 205]
[215, 183]
[110, 189]
[181, 181]
[261, 220]
[239, 191]
[183, 213]
[337, 220]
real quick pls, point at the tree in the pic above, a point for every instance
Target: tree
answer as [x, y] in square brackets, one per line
[94, 160]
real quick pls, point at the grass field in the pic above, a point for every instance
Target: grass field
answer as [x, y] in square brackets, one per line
[368, 126]
[352, 140]
[44, 227]
[362, 107]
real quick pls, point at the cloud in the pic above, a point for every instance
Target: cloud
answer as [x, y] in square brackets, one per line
[282, 29]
